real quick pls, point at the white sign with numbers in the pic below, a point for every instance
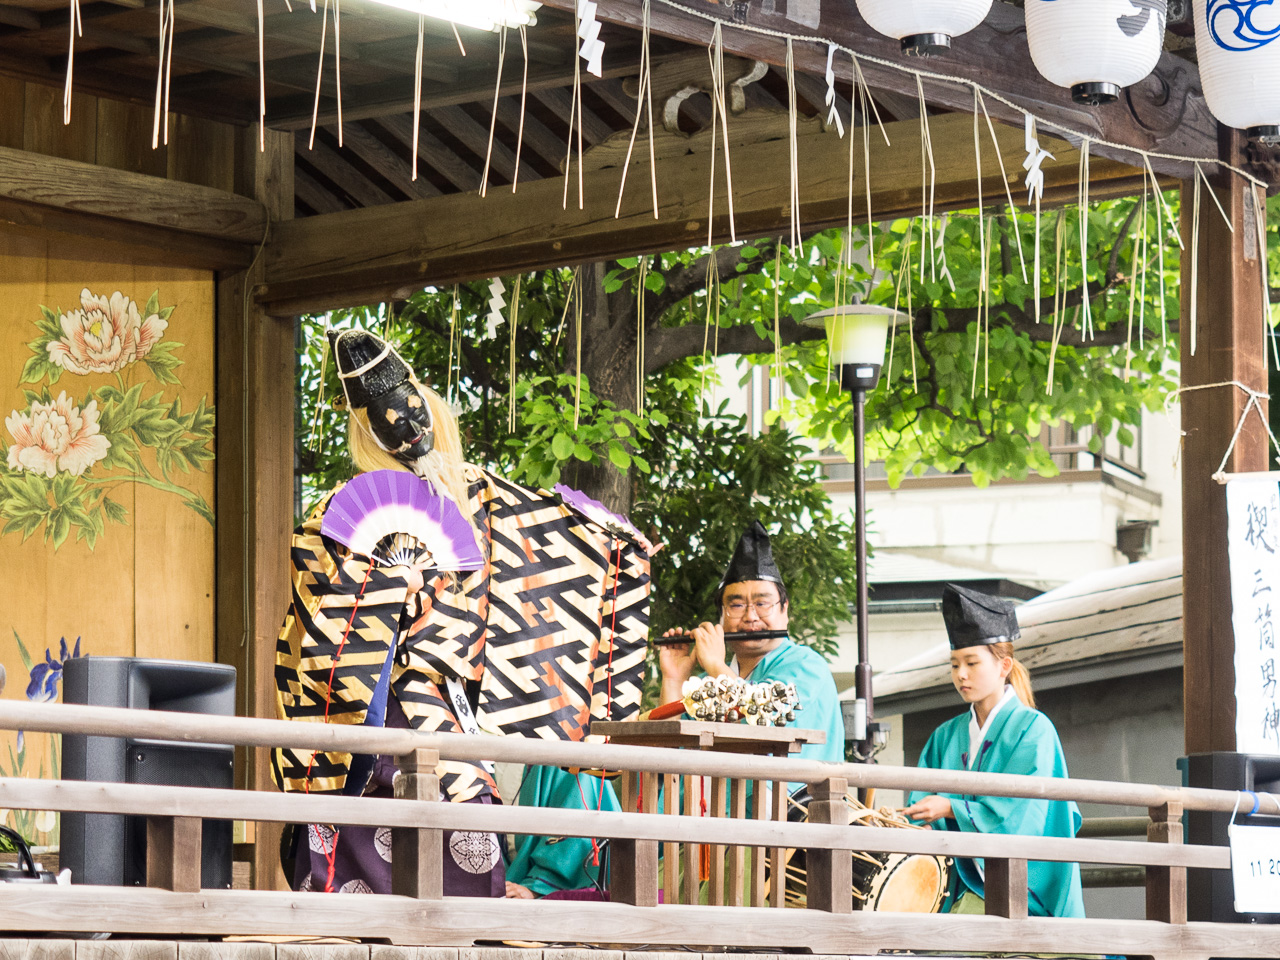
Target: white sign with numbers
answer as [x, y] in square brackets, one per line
[1255, 868]
[1253, 545]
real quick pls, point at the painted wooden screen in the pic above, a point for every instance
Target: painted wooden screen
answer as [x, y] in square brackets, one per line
[106, 471]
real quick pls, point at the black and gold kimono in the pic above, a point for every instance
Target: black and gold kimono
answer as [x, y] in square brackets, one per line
[550, 635]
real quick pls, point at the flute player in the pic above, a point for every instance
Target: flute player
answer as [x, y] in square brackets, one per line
[752, 599]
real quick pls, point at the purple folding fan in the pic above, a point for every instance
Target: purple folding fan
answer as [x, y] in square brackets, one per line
[597, 512]
[396, 517]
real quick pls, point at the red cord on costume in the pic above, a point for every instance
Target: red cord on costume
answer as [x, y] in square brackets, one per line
[331, 854]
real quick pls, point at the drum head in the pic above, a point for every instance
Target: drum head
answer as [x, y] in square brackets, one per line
[909, 883]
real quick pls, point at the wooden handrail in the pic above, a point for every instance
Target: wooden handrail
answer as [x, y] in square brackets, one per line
[196, 802]
[196, 728]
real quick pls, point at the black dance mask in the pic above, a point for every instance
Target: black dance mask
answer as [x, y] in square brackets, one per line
[375, 379]
[401, 422]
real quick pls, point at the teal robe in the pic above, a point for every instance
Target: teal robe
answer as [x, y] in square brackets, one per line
[1020, 740]
[548, 864]
[792, 663]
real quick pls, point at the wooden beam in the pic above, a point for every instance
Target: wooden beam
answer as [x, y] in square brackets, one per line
[475, 138]
[255, 374]
[131, 197]
[138, 243]
[329, 162]
[1165, 112]
[460, 921]
[312, 266]
[1229, 346]
[433, 153]
[395, 97]
[386, 162]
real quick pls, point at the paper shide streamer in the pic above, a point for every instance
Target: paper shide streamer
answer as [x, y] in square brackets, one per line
[496, 302]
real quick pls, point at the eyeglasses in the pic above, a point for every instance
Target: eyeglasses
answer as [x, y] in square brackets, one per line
[763, 608]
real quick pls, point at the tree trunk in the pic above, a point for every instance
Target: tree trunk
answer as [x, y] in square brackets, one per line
[609, 364]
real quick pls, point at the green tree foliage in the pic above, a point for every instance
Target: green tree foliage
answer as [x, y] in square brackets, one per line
[972, 379]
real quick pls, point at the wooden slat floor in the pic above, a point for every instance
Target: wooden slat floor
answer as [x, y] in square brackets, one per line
[54, 949]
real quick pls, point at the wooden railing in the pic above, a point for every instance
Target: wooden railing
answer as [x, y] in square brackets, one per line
[417, 912]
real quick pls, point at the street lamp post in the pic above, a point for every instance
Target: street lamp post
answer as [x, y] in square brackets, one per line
[856, 338]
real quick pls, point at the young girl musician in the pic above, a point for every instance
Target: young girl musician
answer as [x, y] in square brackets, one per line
[1001, 732]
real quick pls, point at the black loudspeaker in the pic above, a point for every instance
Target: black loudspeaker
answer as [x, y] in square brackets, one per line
[112, 849]
[1210, 893]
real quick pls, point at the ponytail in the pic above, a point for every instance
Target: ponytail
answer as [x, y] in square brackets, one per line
[1019, 678]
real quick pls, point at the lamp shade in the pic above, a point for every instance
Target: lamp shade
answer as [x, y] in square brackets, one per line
[1240, 64]
[1095, 47]
[482, 14]
[856, 338]
[923, 26]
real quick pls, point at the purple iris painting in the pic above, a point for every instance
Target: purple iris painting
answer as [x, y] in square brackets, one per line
[45, 676]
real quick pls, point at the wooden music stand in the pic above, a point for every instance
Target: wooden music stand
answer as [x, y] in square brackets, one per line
[728, 797]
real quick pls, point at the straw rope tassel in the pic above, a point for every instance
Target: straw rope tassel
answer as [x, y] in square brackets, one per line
[262, 81]
[417, 101]
[1016, 108]
[984, 259]
[1146, 253]
[77, 28]
[511, 372]
[1058, 318]
[1084, 239]
[640, 332]
[863, 98]
[1133, 296]
[577, 394]
[1161, 211]
[315, 110]
[164, 69]
[715, 120]
[777, 320]
[313, 435]
[643, 96]
[718, 104]
[1004, 178]
[457, 36]
[1195, 261]
[453, 329]
[709, 285]
[927, 194]
[1260, 223]
[792, 134]
[575, 114]
[337, 60]
[524, 96]
[493, 114]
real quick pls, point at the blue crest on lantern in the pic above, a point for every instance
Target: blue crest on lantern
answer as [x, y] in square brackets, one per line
[1231, 24]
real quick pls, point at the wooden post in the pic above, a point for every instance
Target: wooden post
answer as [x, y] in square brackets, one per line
[830, 872]
[760, 797]
[1230, 345]
[1166, 886]
[1004, 888]
[777, 855]
[633, 864]
[254, 500]
[737, 854]
[692, 855]
[417, 853]
[719, 808]
[173, 853]
[670, 851]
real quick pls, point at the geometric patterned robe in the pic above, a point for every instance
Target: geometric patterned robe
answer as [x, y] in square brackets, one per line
[550, 635]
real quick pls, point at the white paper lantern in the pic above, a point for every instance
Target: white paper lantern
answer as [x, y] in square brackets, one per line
[1240, 64]
[924, 26]
[1095, 47]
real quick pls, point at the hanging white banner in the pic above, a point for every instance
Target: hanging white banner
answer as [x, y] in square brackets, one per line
[1253, 546]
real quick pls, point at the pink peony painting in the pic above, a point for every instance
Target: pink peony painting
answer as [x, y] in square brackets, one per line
[56, 436]
[65, 455]
[105, 334]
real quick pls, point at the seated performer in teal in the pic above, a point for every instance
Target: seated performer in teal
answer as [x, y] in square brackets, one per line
[559, 867]
[1002, 732]
[752, 599]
